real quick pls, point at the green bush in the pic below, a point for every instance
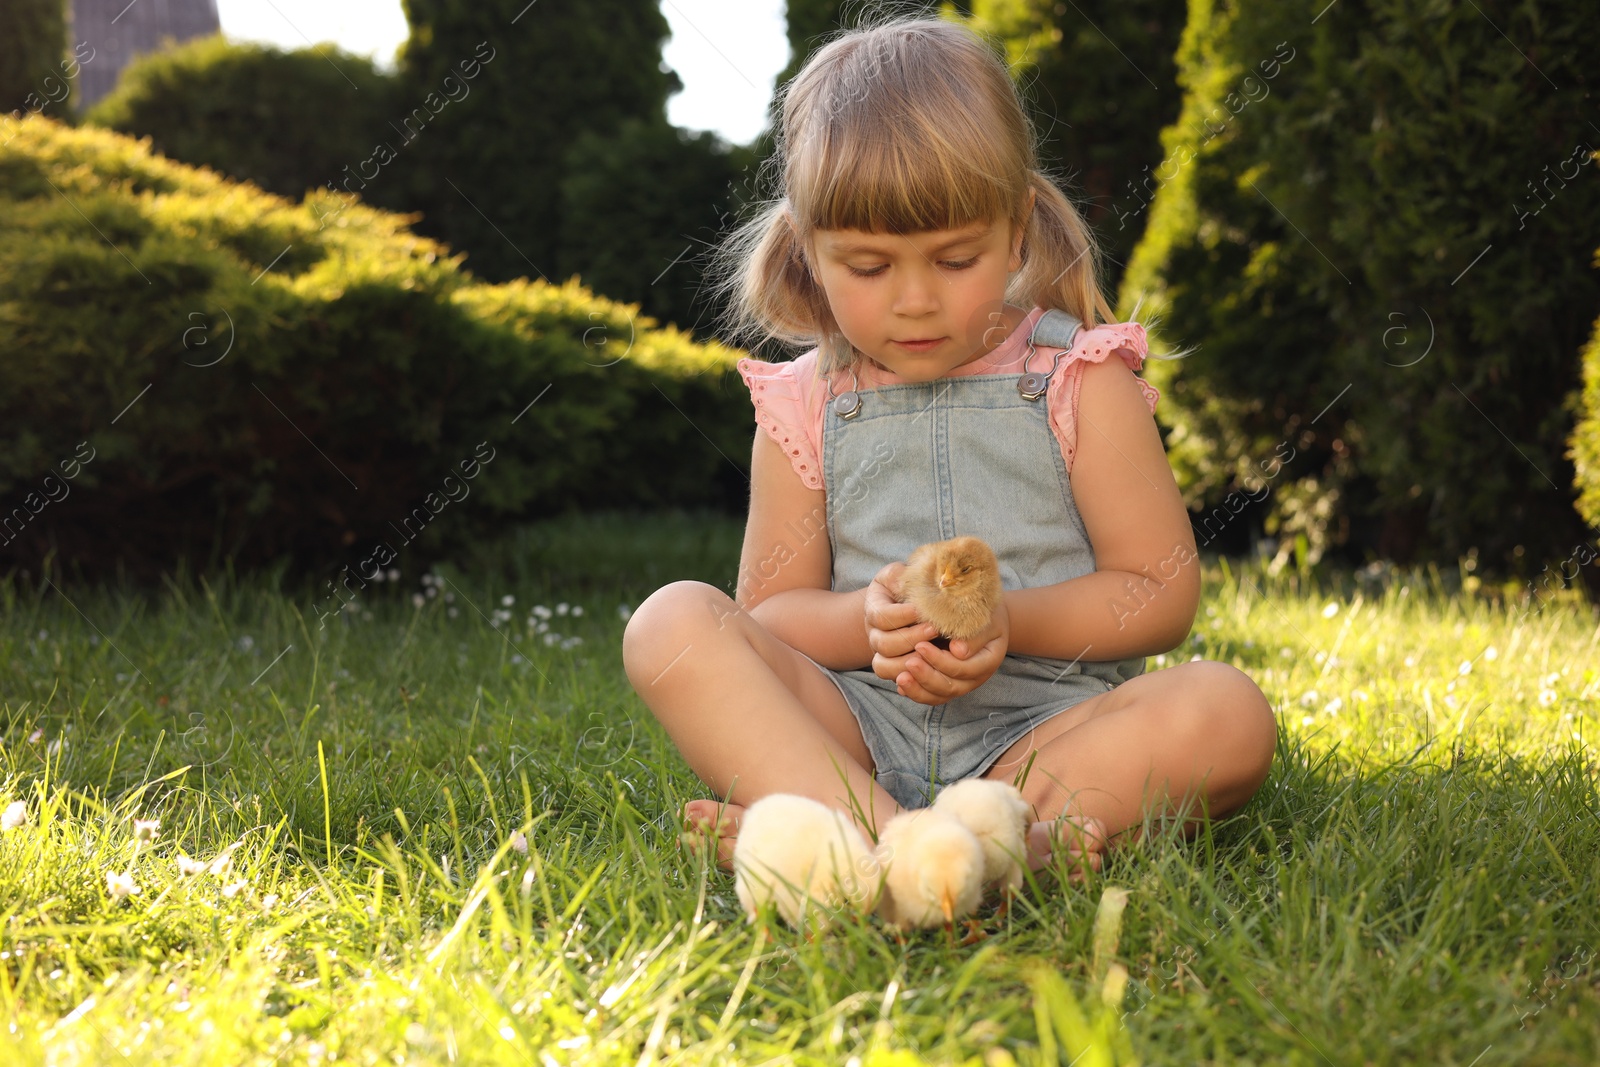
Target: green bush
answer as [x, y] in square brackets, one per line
[1585, 444]
[1345, 234]
[287, 120]
[194, 366]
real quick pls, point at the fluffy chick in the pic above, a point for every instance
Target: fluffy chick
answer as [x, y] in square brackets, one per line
[954, 584]
[997, 815]
[805, 858]
[933, 869]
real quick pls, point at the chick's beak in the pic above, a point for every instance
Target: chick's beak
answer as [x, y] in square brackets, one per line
[947, 905]
[946, 579]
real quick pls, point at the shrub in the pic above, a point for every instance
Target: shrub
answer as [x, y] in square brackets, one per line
[1345, 233]
[286, 120]
[1585, 444]
[196, 366]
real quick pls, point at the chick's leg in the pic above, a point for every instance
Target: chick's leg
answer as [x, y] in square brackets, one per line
[750, 715]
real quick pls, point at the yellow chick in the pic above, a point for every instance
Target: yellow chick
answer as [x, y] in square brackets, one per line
[805, 858]
[954, 584]
[933, 869]
[998, 817]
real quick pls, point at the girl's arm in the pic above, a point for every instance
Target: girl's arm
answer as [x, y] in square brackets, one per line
[786, 566]
[1142, 596]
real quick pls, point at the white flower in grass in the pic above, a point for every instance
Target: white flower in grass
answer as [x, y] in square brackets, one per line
[1307, 720]
[223, 862]
[1491, 654]
[577, 609]
[1330, 609]
[433, 591]
[451, 612]
[16, 814]
[1309, 698]
[519, 842]
[551, 639]
[508, 600]
[1465, 668]
[121, 885]
[1286, 653]
[394, 574]
[1332, 707]
[1411, 661]
[624, 612]
[563, 607]
[190, 867]
[269, 902]
[417, 600]
[1547, 697]
[35, 737]
[572, 642]
[231, 891]
[1550, 679]
[146, 830]
[542, 611]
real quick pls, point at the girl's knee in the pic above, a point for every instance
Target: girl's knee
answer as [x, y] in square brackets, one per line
[668, 620]
[1236, 712]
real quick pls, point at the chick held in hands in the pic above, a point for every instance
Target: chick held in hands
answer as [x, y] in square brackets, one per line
[954, 585]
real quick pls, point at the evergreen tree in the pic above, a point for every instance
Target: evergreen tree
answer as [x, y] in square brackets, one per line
[1100, 80]
[33, 45]
[543, 76]
[1375, 228]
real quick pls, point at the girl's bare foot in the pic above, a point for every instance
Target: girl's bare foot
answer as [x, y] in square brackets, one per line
[707, 820]
[1083, 839]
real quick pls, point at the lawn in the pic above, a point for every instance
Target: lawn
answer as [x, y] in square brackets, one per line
[437, 826]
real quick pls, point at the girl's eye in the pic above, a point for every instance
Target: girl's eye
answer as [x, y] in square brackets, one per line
[964, 264]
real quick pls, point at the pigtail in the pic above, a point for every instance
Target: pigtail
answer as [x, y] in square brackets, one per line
[760, 277]
[1060, 259]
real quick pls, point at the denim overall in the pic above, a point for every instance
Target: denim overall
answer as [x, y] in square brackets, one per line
[927, 461]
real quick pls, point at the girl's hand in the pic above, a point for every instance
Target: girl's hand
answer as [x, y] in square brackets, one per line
[892, 627]
[903, 648]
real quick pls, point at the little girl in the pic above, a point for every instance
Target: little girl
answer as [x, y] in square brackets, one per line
[959, 384]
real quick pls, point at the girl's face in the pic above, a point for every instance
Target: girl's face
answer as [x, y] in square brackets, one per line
[920, 304]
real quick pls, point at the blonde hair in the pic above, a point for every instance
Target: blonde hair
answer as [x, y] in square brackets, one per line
[903, 126]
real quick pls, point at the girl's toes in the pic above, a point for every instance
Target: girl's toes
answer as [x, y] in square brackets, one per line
[702, 827]
[703, 816]
[1081, 841]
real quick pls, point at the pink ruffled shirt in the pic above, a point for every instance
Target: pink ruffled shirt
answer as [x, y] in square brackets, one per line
[790, 398]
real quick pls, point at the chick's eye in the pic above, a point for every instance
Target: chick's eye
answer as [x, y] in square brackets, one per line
[966, 568]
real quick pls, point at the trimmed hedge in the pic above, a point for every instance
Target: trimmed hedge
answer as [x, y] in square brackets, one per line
[288, 121]
[1376, 233]
[193, 366]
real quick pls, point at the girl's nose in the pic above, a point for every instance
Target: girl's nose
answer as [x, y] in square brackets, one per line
[917, 293]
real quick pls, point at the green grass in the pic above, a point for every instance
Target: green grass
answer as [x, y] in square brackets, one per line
[1416, 881]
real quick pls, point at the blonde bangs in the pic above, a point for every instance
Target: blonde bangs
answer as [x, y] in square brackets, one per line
[889, 173]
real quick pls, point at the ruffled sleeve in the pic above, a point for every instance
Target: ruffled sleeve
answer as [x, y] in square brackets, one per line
[783, 401]
[1125, 339]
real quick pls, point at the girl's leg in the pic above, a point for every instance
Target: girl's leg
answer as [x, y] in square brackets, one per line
[1198, 738]
[751, 715]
